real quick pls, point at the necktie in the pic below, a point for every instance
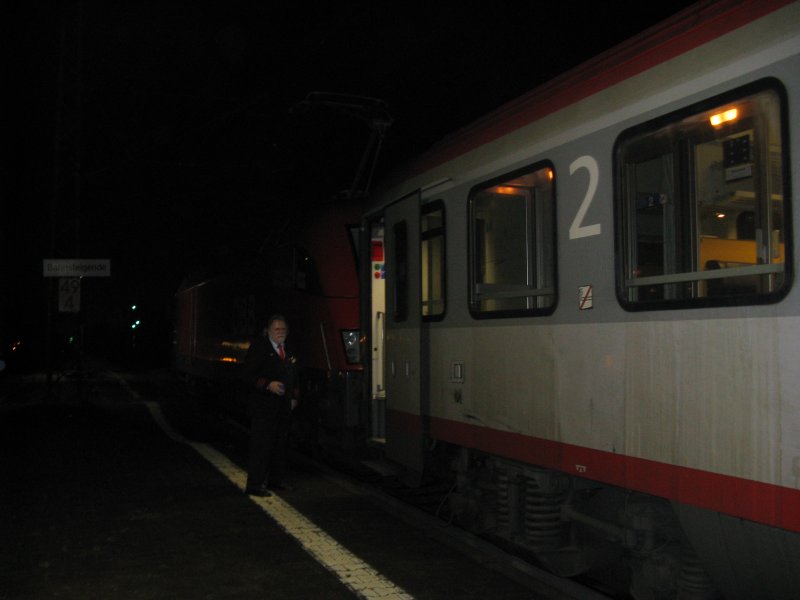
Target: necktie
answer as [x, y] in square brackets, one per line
[281, 353]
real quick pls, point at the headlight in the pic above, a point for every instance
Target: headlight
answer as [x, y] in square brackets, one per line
[352, 347]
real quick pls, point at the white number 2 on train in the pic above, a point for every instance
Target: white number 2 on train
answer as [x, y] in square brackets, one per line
[578, 229]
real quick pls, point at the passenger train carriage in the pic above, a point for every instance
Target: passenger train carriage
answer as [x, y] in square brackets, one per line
[583, 309]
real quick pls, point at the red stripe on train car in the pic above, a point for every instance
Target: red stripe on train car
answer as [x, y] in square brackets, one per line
[403, 423]
[761, 502]
[689, 29]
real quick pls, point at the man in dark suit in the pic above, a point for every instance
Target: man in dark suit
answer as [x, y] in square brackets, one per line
[269, 373]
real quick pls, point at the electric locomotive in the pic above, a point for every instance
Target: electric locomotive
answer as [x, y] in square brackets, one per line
[311, 280]
[582, 310]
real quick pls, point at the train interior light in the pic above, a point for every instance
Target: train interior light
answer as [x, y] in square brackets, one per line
[726, 116]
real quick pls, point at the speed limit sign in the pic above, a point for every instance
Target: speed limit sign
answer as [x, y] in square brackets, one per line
[69, 294]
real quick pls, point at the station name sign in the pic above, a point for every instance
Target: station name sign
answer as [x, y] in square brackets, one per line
[77, 267]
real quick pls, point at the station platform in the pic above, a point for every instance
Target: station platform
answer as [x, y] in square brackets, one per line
[102, 498]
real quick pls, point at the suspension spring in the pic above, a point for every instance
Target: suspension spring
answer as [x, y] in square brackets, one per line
[503, 501]
[694, 581]
[542, 516]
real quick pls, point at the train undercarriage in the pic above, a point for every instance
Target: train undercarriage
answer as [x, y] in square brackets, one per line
[632, 543]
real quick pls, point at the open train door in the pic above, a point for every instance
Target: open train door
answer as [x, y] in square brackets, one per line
[395, 324]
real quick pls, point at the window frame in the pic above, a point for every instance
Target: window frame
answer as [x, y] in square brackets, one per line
[685, 228]
[400, 264]
[426, 236]
[292, 267]
[541, 244]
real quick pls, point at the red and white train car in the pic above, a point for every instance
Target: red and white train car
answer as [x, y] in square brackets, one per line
[589, 317]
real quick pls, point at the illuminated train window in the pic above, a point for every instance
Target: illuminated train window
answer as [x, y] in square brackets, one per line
[702, 204]
[432, 260]
[512, 244]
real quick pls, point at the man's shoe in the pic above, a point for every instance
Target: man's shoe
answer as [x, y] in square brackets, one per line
[260, 490]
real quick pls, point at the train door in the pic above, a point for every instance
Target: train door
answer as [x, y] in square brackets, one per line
[396, 361]
[376, 316]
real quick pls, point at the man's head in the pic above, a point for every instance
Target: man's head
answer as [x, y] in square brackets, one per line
[277, 329]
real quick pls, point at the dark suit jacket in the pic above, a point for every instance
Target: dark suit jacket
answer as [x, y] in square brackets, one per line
[263, 365]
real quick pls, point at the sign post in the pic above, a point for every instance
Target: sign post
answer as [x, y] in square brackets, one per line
[69, 272]
[76, 267]
[69, 294]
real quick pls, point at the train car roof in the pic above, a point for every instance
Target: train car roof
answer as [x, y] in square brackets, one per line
[687, 30]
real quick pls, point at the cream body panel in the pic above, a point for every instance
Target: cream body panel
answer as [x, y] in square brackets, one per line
[717, 395]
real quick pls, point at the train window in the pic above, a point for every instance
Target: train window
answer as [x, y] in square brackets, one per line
[400, 296]
[432, 260]
[306, 274]
[702, 204]
[354, 235]
[291, 267]
[512, 244]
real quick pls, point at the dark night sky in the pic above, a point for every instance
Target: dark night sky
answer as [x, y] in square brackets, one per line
[174, 143]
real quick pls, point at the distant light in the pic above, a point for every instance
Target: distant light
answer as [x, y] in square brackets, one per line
[138, 322]
[724, 117]
[133, 307]
[550, 174]
[721, 215]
